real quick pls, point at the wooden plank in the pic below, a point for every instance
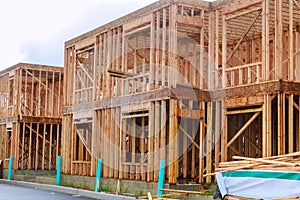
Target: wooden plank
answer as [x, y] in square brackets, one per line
[188, 136]
[23, 147]
[246, 125]
[202, 52]
[278, 39]
[50, 147]
[133, 135]
[46, 95]
[171, 169]
[58, 145]
[163, 59]
[152, 52]
[141, 21]
[201, 144]
[163, 129]
[157, 52]
[281, 121]
[291, 123]
[209, 138]
[267, 135]
[151, 142]
[44, 147]
[116, 138]
[143, 147]
[235, 6]
[291, 41]
[30, 148]
[157, 140]
[37, 148]
[224, 52]
[217, 49]
[190, 21]
[211, 39]
[244, 35]
[238, 14]
[217, 133]
[251, 110]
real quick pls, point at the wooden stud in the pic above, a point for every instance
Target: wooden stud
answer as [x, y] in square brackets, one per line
[291, 123]
[291, 40]
[278, 39]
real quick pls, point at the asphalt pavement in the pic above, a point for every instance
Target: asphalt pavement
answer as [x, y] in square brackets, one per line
[12, 192]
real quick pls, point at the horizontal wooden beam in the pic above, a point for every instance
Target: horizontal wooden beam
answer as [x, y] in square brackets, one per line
[191, 21]
[235, 112]
[190, 114]
[235, 6]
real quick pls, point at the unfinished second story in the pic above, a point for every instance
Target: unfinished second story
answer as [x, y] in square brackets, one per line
[31, 90]
[198, 44]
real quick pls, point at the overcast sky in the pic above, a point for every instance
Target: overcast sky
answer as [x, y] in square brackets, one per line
[34, 31]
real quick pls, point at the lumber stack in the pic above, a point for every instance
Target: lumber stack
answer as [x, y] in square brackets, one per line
[288, 162]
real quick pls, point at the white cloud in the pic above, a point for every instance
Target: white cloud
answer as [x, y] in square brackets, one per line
[35, 31]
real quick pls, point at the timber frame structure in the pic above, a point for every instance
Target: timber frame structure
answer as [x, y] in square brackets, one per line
[186, 81]
[31, 116]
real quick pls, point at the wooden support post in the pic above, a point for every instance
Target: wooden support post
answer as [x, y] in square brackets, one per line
[291, 41]
[163, 126]
[142, 144]
[216, 71]
[297, 63]
[156, 140]
[157, 55]
[278, 39]
[224, 53]
[291, 124]
[37, 147]
[163, 59]
[150, 142]
[265, 41]
[202, 53]
[209, 141]
[210, 49]
[94, 143]
[201, 144]
[152, 52]
[58, 130]
[122, 148]
[23, 146]
[26, 111]
[30, 148]
[117, 142]
[173, 146]
[50, 147]
[44, 147]
[217, 133]
[133, 135]
[281, 122]
[185, 147]
[224, 136]
[267, 128]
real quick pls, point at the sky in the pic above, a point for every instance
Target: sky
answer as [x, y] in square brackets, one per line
[34, 31]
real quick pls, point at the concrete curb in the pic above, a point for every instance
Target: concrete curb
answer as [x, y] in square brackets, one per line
[66, 190]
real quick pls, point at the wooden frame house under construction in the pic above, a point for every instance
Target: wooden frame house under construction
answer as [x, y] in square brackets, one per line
[186, 81]
[31, 116]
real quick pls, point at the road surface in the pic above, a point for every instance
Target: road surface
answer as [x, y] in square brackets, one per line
[10, 192]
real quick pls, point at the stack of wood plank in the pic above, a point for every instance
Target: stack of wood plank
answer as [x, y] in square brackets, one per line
[288, 162]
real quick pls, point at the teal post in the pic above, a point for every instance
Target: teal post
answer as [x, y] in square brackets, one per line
[9, 168]
[98, 175]
[161, 178]
[58, 170]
